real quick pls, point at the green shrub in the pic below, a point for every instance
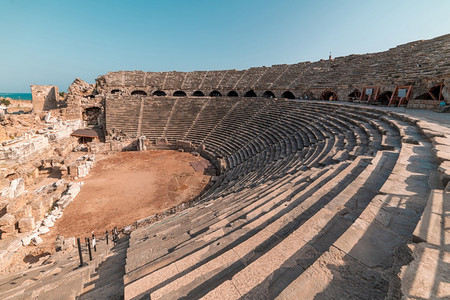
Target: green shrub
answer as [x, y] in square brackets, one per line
[5, 102]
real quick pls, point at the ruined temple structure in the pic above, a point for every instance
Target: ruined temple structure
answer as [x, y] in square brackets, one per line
[311, 199]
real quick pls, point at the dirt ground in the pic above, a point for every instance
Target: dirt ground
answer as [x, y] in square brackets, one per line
[120, 189]
[125, 187]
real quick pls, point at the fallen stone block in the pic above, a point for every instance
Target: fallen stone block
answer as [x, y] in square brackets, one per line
[43, 229]
[36, 240]
[48, 222]
[38, 209]
[26, 240]
[15, 189]
[26, 224]
[7, 220]
[68, 244]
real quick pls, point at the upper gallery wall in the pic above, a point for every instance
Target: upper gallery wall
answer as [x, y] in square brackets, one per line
[423, 64]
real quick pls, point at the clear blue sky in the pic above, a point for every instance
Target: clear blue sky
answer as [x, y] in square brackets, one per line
[54, 41]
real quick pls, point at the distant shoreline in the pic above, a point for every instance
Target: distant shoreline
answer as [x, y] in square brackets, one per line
[16, 96]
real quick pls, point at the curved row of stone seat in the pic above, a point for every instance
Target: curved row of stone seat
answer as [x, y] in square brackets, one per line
[154, 117]
[124, 117]
[375, 244]
[284, 145]
[258, 233]
[234, 197]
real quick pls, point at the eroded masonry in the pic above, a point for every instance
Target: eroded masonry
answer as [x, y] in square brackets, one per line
[311, 199]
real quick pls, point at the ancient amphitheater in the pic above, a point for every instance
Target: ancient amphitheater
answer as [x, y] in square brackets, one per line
[312, 198]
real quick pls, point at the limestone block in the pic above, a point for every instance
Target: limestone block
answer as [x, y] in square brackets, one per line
[25, 212]
[26, 240]
[15, 189]
[36, 240]
[26, 224]
[38, 209]
[69, 243]
[43, 229]
[7, 220]
[47, 201]
[48, 117]
[48, 222]
[74, 188]
[63, 202]
[82, 171]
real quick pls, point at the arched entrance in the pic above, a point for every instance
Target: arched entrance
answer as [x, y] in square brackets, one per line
[435, 93]
[355, 95]
[250, 93]
[215, 94]
[268, 94]
[385, 97]
[232, 94]
[179, 94]
[159, 93]
[116, 91]
[138, 93]
[329, 95]
[198, 94]
[288, 95]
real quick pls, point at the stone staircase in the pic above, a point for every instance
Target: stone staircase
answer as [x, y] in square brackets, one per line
[59, 277]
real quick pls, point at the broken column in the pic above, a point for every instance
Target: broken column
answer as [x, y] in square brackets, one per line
[141, 143]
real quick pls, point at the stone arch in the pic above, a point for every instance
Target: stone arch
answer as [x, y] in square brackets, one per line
[138, 93]
[232, 94]
[115, 91]
[384, 97]
[198, 94]
[159, 93]
[435, 93]
[179, 94]
[268, 94]
[250, 93]
[288, 95]
[329, 95]
[215, 94]
[355, 95]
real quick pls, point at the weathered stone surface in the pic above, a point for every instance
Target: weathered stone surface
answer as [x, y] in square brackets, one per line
[444, 172]
[36, 240]
[43, 229]
[26, 224]
[431, 227]
[427, 275]
[7, 220]
[16, 188]
[44, 97]
[68, 244]
[59, 242]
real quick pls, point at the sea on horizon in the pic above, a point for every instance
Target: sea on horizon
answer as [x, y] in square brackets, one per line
[16, 96]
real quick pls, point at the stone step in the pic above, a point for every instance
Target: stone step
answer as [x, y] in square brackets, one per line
[262, 235]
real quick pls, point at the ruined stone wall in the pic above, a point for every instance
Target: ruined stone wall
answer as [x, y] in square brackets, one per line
[420, 63]
[45, 97]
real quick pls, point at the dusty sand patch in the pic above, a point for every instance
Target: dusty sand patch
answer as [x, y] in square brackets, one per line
[127, 186]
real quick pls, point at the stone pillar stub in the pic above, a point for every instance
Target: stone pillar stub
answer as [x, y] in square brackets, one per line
[45, 97]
